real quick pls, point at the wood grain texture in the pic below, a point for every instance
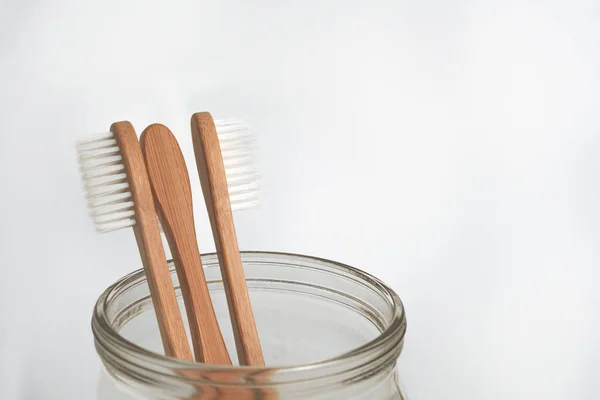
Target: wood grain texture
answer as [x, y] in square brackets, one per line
[150, 246]
[173, 197]
[209, 162]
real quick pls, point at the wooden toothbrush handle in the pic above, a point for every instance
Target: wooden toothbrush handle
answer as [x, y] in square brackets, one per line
[210, 166]
[173, 197]
[207, 339]
[150, 245]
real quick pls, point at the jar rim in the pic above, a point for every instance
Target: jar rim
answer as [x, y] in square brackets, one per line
[390, 339]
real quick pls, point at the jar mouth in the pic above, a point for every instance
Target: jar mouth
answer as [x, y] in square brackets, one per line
[384, 349]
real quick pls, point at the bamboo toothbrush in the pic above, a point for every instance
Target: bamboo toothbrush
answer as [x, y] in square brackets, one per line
[173, 197]
[119, 196]
[242, 187]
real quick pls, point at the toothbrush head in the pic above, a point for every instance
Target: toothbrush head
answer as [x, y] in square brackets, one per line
[109, 198]
[236, 140]
[107, 191]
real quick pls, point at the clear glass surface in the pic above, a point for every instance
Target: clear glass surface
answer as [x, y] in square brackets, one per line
[328, 331]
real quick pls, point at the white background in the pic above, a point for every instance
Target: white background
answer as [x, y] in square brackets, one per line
[450, 148]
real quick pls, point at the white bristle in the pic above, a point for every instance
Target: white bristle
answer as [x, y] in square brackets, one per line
[237, 141]
[106, 186]
[105, 183]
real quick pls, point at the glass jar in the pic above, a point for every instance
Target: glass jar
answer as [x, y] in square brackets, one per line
[328, 331]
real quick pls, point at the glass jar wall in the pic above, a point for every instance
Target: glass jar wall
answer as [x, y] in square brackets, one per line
[328, 331]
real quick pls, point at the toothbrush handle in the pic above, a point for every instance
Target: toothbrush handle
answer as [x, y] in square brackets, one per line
[173, 197]
[150, 245]
[210, 166]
